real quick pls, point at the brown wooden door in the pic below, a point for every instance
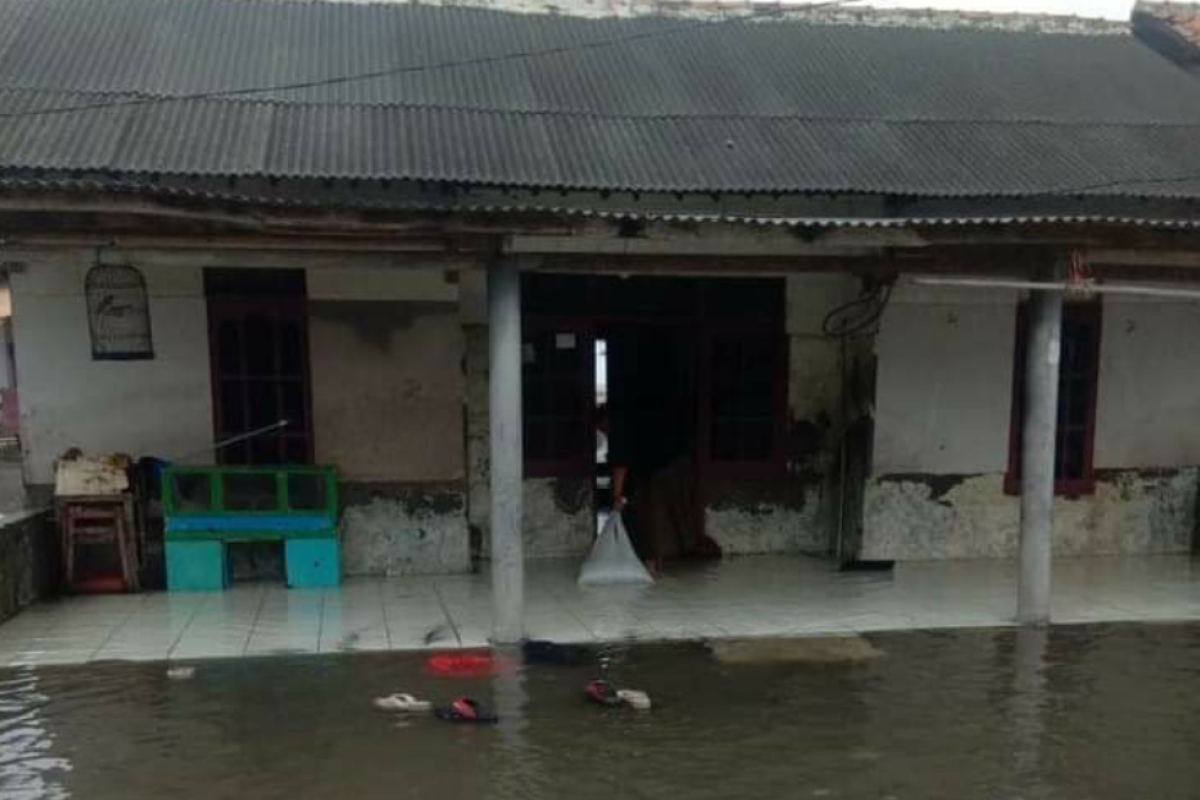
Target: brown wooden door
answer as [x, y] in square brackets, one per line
[258, 332]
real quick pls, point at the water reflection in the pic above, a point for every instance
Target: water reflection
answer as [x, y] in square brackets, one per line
[516, 769]
[28, 770]
[1027, 724]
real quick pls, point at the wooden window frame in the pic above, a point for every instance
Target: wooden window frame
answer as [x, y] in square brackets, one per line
[775, 464]
[707, 322]
[267, 295]
[1092, 311]
[583, 464]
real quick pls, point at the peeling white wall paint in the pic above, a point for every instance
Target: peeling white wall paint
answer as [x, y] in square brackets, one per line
[944, 394]
[1130, 513]
[388, 537]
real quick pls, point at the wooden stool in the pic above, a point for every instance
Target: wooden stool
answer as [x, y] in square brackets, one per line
[99, 520]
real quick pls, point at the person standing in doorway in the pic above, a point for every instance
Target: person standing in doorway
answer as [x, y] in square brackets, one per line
[652, 486]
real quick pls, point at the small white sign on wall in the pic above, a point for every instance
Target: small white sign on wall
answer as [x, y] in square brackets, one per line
[564, 341]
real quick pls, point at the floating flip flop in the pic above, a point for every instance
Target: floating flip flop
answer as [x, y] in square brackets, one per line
[464, 709]
[602, 693]
[476, 664]
[634, 699]
[401, 702]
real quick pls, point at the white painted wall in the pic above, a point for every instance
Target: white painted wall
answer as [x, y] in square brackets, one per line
[944, 386]
[814, 368]
[160, 407]
[944, 383]
[1148, 399]
[943, 408]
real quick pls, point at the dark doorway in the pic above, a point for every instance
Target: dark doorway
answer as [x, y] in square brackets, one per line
[258, 343]
[652, 405]
[697, 366]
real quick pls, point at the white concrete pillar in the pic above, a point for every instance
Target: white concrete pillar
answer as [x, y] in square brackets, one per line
[506, 449]
[1038, 436]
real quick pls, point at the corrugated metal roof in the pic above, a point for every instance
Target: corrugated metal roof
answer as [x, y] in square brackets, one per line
[646, 104]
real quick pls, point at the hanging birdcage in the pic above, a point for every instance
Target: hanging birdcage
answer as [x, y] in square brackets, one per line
[118, 313]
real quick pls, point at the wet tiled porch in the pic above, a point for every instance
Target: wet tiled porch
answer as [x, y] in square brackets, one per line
[750, 596]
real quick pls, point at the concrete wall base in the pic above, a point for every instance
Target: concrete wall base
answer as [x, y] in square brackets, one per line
[1139, 512]
[27, 561]
[404, 529]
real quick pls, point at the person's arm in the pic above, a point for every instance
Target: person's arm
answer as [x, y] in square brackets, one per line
[619, 474]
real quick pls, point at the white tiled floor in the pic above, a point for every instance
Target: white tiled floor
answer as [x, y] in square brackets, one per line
[760, 596]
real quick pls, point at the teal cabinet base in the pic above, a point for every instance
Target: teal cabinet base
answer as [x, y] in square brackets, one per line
[313, 562]
[196, 566]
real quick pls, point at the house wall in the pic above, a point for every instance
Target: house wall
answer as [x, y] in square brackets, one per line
[559, 512]
[28, 560]
[943, 406]
[794, 513]
[385, 358]
[160, 406]
[791, 513]
[386, 350]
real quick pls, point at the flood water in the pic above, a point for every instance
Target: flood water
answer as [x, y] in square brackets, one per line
[1083, 713]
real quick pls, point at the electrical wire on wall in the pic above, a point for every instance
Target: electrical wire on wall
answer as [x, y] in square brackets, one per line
[859, 317]
[856, 319]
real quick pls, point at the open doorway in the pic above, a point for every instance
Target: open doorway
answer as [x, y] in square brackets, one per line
[688, 375]
[652, 443]
[602, 483]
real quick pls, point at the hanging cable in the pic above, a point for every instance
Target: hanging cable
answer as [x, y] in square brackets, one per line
[860, 316]
[479, 61]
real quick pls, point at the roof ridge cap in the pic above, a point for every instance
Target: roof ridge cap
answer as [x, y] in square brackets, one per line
[881, 17]
[806, 11]
[1167, 10]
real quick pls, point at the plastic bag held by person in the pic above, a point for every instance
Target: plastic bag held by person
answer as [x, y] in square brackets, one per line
[613, 559]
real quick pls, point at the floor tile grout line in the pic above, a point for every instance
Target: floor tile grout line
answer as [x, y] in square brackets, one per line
[571, 613]
[113, 631]
[186, 626]
[682, 613]
[566, 607]
[446, 612]
[262, 601]
[321, 621]
[387, 626]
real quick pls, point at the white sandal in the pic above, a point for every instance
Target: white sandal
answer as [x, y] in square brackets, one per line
[402, 702]
[634, 699]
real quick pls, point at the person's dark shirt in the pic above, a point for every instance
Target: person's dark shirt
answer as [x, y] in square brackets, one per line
[643, 442]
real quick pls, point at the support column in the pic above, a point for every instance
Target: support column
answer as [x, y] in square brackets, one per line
[1038, 436]
[506, 451]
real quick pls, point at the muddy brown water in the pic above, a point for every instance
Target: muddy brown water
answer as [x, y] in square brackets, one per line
[1083, 713]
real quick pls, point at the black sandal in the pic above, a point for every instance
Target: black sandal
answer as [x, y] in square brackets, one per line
[464, 709]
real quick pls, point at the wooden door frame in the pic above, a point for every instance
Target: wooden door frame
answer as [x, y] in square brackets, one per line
[699, 327]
